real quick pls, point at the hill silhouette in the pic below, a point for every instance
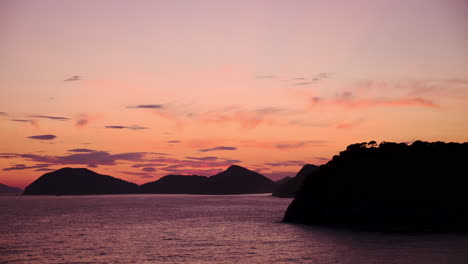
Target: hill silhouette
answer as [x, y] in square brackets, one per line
[238, 180]
[78, 181]
[234, 180]
[392, 185]
[9, 189]
[283, 180]
[182, 184]
[289, 188]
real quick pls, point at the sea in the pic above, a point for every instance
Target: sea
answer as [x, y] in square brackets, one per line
[197, 229]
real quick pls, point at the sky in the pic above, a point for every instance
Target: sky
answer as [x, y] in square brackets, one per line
[142, 89]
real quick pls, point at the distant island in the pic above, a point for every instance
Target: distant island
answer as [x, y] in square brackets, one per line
[289, 187]
[79, 181]
[9, 189]
[175, 184]
[234, 180]
[390, 185]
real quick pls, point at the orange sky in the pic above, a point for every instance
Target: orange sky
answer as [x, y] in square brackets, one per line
[142, 89]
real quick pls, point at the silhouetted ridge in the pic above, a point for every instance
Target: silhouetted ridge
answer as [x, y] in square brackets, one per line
[417, 186]
[283, 180]
[238, 180]
[175, 184]
[234, 180]
[77, 181]
[289, 188]
[70, 181]
[9, 189]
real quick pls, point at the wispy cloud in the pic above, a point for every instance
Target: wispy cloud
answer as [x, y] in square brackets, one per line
[286, 163]
[247, 118]
[44, 169]
[316, 78]
[58, 118]
[303, 83]
[174, 141]
[269, 110]
[7, 155]
[134, 127]
[321, 158]
[271, 76]
[350, 100]
[84, 119]
[81, 122]
[307, 123]
[21, 120]
[296, 145]
[147, 106]
[25, 167]
[321, 76]
[73, 78]
[43, 137]
[461, 81]
[192, 171]
[85, 158]
[211, 158]
[143, 175]
[148, 165]
[81, 150]
[3, 113]
[145, 162]
[217, 148]
[350, 125]
[130, 156]
[34, 123]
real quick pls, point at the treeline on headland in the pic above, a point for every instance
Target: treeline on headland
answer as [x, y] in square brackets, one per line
[422, 185]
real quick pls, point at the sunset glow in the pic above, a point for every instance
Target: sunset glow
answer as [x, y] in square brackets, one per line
[143, 89]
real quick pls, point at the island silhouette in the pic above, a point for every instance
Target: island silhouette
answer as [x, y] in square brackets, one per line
[78, 181]
[81, 181]
[287, 188]
[391, 185]
[9, 189]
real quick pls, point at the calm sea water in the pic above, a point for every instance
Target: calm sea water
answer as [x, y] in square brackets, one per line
[196, 229]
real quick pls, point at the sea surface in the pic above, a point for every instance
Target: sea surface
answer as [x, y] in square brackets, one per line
[196, 229]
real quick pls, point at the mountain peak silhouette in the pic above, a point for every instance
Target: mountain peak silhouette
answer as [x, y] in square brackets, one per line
[78, 181]
[238, 171]
[239, 180]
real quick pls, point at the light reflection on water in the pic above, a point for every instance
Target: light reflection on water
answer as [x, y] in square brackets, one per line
[195, 229]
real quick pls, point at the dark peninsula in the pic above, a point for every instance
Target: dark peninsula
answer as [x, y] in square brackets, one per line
[391, 185]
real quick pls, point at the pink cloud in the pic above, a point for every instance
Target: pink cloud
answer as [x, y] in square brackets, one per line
[350, 125]
[84, 119]
[349, 102]
[282, 145]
